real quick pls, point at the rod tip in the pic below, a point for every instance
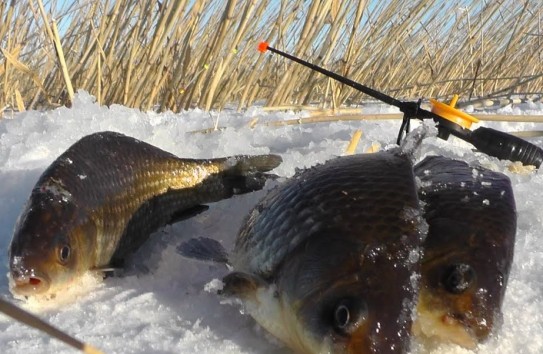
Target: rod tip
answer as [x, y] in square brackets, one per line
[87, 349]
[263, 47]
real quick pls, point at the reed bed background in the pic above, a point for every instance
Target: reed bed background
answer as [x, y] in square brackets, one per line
[178, 54]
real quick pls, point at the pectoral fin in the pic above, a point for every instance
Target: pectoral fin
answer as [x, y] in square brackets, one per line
[241, 285]
[119, 268]
[108, 271]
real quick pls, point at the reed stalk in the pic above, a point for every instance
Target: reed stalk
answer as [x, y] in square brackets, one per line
[179, 54]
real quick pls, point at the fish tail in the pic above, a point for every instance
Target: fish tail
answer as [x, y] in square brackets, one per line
[410, 146]
[241, 184]
[244, 174]
[247, 164]
[203, 249]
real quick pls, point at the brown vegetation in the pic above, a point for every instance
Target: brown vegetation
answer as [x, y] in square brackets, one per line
[177, 54]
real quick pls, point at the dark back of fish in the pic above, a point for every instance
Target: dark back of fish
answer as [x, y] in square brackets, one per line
[349, 228]
[122, 189]
[469, 249]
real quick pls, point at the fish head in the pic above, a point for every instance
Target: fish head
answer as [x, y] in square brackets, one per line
[464, 276]
[341, 243]
[45, 252]
[348, 297]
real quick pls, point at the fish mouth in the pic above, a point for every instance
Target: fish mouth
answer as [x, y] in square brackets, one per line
[29, 283]
[445, 327]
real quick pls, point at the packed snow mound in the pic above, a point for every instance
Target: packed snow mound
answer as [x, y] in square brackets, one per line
[167, 303]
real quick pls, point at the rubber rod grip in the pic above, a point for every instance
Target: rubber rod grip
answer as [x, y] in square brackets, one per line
[506, 146]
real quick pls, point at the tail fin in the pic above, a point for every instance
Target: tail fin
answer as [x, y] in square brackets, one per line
[241, 184]
[246, 164]
[244, 173]
[411, 145]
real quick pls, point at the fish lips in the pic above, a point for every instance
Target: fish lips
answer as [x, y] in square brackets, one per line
[479, 327]
[24, 281]
[467, 328]
[26, 276]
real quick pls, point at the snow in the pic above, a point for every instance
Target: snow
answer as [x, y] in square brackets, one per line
[168, 304]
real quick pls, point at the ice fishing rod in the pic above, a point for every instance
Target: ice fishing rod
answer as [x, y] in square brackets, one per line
[31, 320]
[449, 120]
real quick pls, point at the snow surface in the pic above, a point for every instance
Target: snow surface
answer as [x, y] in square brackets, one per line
[167, 308]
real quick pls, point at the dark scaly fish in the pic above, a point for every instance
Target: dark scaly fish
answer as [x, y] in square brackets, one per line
[328, 261]
[101, 199]
[468, 252]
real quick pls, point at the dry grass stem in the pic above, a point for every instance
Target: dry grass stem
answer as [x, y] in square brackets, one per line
[179, 54]
[361, 117]
[62, 61]
[368, 117]
[351, 148]
[19, 101]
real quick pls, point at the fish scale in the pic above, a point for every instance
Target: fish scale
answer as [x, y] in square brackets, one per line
[342, 257]
[319, 193]
[468, 252]
[324, 261]
[104, 196]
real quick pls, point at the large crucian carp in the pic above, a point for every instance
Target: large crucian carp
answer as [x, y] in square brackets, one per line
[102, 198]
[342, 257]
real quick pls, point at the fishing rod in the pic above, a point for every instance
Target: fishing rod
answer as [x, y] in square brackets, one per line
[27, 318]
[449, 120]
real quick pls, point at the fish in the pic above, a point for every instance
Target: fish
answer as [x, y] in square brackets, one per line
[100, 200]
[327, 261]
[468, 252]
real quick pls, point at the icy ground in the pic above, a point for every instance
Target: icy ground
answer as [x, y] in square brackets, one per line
[167, 309]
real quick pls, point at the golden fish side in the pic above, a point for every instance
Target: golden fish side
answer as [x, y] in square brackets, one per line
[328, 261]
[468, 252]
[100, 200]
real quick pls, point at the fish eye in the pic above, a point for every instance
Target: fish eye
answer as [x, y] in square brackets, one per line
[348, 313]
[64, 254]
[458, 278]
[342, 316]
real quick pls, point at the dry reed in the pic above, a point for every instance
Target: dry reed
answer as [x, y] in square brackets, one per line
[178, 54]
[327, 118]
[351, 148]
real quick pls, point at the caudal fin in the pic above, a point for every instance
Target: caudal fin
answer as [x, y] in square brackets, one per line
[245, 173]
[410, 146]
[247, 164]
[241, 184]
